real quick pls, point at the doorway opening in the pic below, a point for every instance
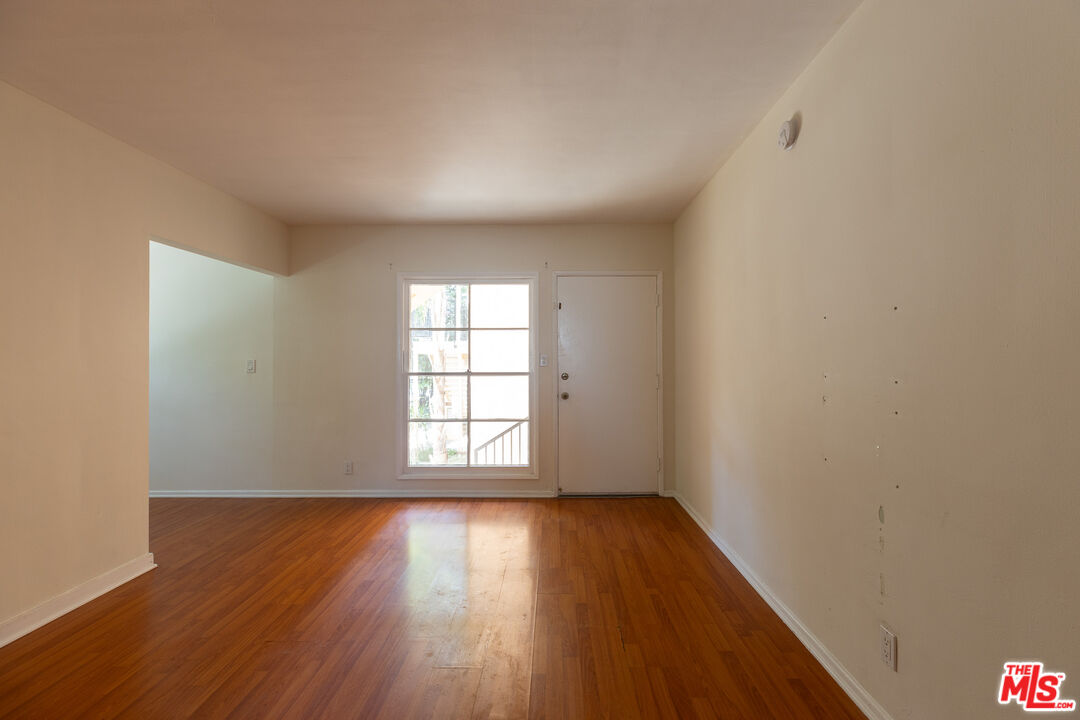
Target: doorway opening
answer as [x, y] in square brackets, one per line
[211, 388]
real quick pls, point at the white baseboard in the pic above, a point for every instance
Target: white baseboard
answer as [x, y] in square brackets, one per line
[26, 622]
[351, 493]
[858, 694]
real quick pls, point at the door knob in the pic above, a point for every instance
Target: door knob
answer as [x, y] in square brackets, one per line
[565, 395]
[565, 376]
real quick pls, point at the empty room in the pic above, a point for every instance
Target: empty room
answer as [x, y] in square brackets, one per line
[519, 359]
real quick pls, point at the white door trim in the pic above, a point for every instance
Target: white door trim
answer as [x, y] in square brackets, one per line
[659, 275]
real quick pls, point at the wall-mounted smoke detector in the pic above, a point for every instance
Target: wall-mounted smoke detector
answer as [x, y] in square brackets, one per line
[789, 131]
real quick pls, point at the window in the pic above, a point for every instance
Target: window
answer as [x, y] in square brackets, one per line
[467, 370]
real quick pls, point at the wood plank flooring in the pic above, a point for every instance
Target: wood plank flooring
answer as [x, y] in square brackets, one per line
[353, 608]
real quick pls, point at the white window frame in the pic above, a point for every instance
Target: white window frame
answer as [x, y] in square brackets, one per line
[496, 472]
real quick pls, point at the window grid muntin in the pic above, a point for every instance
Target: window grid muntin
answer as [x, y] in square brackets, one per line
[468, 374]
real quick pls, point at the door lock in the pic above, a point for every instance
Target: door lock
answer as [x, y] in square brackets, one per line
[565, 396]
[565, 376]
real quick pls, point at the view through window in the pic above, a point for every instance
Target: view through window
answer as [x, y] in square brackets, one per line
[469, 386]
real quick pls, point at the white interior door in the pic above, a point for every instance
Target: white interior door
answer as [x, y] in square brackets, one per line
[608, 382]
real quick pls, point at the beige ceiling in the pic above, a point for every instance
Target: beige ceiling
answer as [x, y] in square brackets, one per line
[424, 110]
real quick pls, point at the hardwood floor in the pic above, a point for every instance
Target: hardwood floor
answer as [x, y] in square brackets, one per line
[343, 608]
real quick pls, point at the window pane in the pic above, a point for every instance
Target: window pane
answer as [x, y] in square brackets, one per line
[438, 397]
[500, 306]
[500, 397]
[438, 351]
[500, 443]
[438, 306]
[437, 443]
[500, 351]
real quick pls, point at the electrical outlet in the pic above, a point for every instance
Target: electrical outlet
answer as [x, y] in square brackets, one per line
[888, 647]
[348, 467]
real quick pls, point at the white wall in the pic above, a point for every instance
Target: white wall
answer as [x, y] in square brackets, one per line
[930, 212]
[77, 209]
[336, 348]
[211, 422]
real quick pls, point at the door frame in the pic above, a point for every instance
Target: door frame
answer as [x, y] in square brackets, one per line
[659, 275]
